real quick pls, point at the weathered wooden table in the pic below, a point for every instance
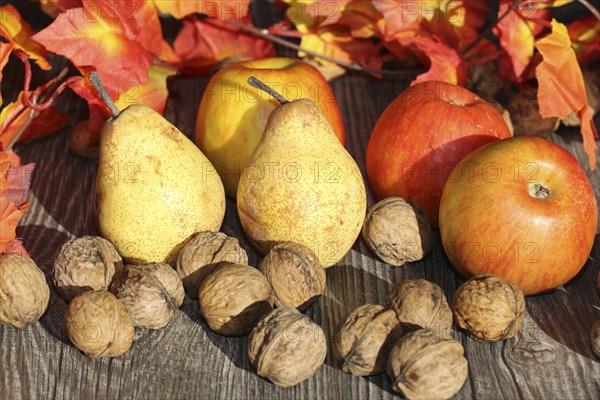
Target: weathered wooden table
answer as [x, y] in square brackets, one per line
[550, 358]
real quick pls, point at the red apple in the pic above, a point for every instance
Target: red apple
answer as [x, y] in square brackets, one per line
[232, 114]
[422, 135]
[522, 209]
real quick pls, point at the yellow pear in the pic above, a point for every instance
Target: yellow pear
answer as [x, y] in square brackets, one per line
[154, 187]
[301, 185]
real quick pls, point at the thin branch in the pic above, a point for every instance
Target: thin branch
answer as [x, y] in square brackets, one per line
[264, 33]
[491, 27]
[590, 8]
[32, 114]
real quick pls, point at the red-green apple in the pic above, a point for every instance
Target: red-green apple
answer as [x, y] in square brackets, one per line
[422, 135]
[522, 209]
[232, 114]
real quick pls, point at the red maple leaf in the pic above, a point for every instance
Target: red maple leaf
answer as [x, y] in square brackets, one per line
[203, 43]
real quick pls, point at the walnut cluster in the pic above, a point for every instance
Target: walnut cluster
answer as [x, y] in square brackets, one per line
[24, 293]
[397, 231]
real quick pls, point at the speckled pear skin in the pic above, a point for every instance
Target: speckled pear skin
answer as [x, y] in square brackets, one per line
[154, 187]
[302, 186]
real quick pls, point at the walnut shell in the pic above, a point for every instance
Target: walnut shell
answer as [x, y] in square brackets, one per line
[286, 347]
[233, 298]
[596, 338]
[24, 293]
[85, 263]
[203, 252]
[525, 115]
[426, 365]
[489, 308]
[295, 274]
[151, 293]
[397, 231]
[364, 338]
[97, 323]
[421, 303]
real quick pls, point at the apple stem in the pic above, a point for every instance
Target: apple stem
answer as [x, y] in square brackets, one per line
[539, 191]
[254, 82]
[95, 79]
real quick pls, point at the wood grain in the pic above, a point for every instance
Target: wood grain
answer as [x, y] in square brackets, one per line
[550, 358]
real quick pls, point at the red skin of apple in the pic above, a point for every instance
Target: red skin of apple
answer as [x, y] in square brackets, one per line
[493, 220]
[422, 135]
[232, 115]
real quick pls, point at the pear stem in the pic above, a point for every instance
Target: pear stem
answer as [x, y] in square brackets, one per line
[254, 82]
[95, 79]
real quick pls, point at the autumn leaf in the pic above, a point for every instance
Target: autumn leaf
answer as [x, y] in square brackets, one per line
[445, 63]
[202, 43]
[585, 39]
[153, 93]
[55, 7]
[516, 38]
[94, 38]
[561, 86]
[14, 184]
[221, 9]
[5, 50]
[18, 32]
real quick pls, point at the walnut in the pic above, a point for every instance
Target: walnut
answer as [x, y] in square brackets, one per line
[364, 338]
[295, 274]
[24, 293]
[151, 293]
[596, 338]
[97, 323]
[397, 231]
[203, 252]
[286, 347]
[233, 298]
[426, 365]
[525, 115]
[489, 308]
[420, 303]
[86, 263]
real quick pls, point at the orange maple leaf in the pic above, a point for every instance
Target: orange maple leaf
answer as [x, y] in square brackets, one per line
[446, 64]
[585, 38]
[561, 86]
[221, 9]
[18, 32]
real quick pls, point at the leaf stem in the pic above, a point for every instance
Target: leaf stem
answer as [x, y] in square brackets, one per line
[32, 114]
[264, 33]
[95, 79]
[254, 82]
